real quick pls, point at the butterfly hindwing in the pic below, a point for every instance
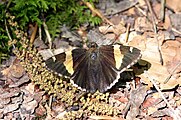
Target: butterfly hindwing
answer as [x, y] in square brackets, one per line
[125, 56]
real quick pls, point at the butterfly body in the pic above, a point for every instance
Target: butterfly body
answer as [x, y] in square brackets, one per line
[95, 68]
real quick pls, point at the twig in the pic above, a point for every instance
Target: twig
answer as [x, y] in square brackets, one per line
[127, 32]
[33, 34]
[139, 9]
[154, 21]
[39, 30]
[172, 72]
[9, 36]
[47, 34]
[126, 109]
[97, 12]
[162, 11]
[175, 115]
[159, 49]
[153, 16]
[9, 2]
[175, 30]
[50, 101]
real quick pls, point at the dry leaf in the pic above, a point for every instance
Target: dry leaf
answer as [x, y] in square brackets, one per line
[40, 111]
[174, 4]
[151, 110]
[170, 51]
[142, 24]
[30, 88]
[148, 102]
[116, 29]
[10, 108]
[30, 106]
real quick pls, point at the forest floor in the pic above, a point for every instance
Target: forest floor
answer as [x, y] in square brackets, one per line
[29, 91]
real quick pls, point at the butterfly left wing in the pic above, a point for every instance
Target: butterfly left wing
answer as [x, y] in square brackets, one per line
[62, 63]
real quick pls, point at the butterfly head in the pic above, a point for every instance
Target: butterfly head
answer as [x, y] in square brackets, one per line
[93, 51]
[92, 45]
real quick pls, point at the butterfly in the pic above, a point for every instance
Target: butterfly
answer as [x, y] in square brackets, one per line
[94, 68]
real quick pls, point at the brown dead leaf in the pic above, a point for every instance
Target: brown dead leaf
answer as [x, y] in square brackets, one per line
[136, 99]
[172, 83]
[174, 4]
[9, 93]
[15, 74]
[151, 110]
[38, 96]
[175, 62]
[30, 88]
[167, 22]
[116, 29]
[22, 80]
[5, 72]
[170, 51]
[17, 70]
[10, 108]
[142, 24]
[4, 101]
[122, 99]
[40, 111]
[167, 118]
[29, 107]
[176, 21]
[115, 20]
[148, 102]
[154, 101]
[50, 113]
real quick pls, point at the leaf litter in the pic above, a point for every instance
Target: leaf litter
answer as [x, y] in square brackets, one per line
[151, 98]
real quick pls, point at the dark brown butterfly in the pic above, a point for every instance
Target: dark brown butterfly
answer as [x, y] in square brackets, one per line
[95, 68]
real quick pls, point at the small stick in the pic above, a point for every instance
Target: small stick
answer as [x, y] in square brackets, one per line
[172, 72]
[159, 50]
[47, 34]
[33, 34]
[139, 9]
[50, 101]
[153, 17]
[175, 30]
[97, 12]
[127, 32]
[40, 33]
[9, 36]
[162, 11]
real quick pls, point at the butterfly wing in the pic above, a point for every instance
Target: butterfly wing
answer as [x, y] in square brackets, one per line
[62, 63]
[124, 57]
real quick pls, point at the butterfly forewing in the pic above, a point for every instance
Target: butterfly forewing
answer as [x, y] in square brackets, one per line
[129, 56]
[56, 64]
